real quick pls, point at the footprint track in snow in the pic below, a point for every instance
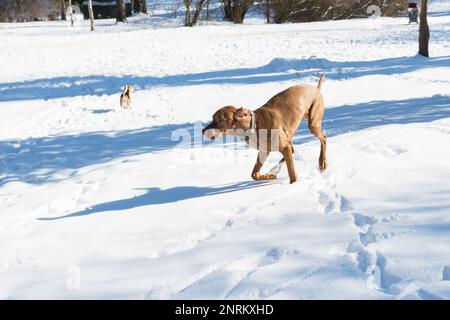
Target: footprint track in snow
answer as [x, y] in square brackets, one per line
[199, 237]
[242, 268]
[334, 203]
[272, 256]
[368, 259]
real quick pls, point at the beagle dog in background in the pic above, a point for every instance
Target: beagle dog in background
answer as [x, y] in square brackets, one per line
[125, 97]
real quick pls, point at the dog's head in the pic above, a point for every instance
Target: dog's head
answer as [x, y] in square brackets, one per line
[228, 121]
[222, 123]
[129, 89]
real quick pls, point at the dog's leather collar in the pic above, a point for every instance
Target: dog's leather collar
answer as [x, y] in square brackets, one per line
[252, 127]
[252, 122]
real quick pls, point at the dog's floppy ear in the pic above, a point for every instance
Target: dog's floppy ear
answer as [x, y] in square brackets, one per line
[238, 115]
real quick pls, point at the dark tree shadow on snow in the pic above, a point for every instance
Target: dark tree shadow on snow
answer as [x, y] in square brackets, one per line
[276, 71]
[355, 117]
[37, 160]
[348, 118]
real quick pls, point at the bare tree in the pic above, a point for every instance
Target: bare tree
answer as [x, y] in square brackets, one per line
[424, 30]
[208, 17]
[191, 18]
[28, 10]
[63, 10]
[265, 8]
[235, 10]
[91, 14]
[287, 10]
[71, 12]
[120, 11]
[140, 6]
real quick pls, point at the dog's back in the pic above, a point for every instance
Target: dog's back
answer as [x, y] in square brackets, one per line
[290, 106]
[301, 95]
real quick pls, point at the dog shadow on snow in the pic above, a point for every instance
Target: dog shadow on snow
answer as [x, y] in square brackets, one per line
[157, 196]
[339, 120]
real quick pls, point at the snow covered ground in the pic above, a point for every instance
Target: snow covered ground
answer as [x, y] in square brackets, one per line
[101, 203]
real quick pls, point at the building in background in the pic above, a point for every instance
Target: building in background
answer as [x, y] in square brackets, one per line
[105, 9]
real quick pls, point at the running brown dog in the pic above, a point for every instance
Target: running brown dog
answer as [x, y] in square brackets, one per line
[283, 114]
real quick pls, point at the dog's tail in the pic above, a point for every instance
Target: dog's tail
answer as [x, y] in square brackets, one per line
[322, 79]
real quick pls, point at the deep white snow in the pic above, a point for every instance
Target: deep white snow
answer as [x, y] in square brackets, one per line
[96, 202]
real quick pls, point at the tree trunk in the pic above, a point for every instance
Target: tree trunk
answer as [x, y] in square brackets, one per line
[144, 6]
[266, 6]
[140, 6]
[187, 4]
[91, 14]
[424, 31]
[235, 10]
[137, 6]
[120, 11]
[63, 10]
[227, 10]
[71, 12]
[192, 17]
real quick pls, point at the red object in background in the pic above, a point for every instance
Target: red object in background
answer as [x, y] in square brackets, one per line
[412, 5]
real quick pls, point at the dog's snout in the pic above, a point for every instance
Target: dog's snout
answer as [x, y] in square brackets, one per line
[209, 126]
[210, 131]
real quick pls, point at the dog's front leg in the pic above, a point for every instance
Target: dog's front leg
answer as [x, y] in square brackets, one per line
[262, 156]
[287, 154]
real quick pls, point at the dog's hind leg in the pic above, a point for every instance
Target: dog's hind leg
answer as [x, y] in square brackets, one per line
[315, 126]
[317, 131]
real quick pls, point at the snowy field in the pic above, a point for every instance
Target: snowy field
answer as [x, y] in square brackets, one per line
[100, 203]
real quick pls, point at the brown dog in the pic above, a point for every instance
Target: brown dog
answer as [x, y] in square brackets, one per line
[125, 97]
[275, 123]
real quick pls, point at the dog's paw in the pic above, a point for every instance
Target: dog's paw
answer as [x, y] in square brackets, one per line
[323, 165]
[257, 176]
[268, 177]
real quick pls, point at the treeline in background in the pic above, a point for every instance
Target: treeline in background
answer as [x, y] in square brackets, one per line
[193, 11]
